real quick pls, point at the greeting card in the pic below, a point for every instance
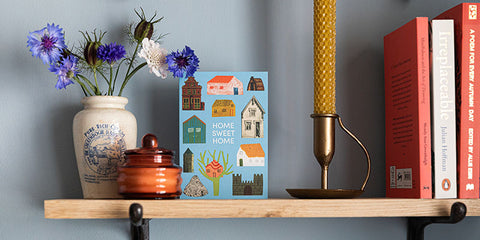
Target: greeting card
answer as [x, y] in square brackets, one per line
[223, 134]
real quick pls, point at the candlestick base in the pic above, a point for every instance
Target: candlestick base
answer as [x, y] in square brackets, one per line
[324, 148]
[324, 193]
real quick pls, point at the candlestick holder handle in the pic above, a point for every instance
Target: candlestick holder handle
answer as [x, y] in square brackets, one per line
[324, 144]
[367, 156]
[324, 148]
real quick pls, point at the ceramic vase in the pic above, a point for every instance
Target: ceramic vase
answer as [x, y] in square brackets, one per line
[102, 131]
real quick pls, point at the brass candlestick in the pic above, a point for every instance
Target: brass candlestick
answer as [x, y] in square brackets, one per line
[324, 149]
[324, 103]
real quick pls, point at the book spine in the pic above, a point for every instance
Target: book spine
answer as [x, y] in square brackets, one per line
[443, 109]
[424, 129]
[469, 146]
[467, 24]
[407, 111]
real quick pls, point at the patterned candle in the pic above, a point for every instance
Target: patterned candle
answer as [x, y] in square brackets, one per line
[324, 56]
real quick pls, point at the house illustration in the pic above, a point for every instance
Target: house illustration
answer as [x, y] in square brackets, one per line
[255, 84]
[214, 169]
[224, 85]
[252, 119]
[192, 95]
[188, 161]
[223, 108]
[194, 130]
[250, 155]
[254, 187]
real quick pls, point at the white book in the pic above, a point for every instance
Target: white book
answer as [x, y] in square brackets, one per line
[444, 154]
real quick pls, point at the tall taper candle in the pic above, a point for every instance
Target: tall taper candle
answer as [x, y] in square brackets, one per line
[324, 34]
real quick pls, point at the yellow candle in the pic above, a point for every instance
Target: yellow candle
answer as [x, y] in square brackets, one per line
[324, 55]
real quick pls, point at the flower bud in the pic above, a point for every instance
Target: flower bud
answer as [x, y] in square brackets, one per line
[91, 47]
[143, 30]
[90, 53]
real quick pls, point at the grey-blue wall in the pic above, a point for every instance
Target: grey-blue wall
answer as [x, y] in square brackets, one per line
[38, 161]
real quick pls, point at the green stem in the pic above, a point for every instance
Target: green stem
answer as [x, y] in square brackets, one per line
[127, 78]
[110, 91]
[128, 70]
[97, 92]
[106, 80]
[116, 74]
[103, 75]
[84, 89]
[133, 58]
[88, 82]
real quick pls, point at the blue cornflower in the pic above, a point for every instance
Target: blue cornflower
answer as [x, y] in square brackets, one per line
[111, 52]
[47, 43]
[65, 69]
[182, 63]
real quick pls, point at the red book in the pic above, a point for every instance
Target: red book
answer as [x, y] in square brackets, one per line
[407, 111]
[467, 58]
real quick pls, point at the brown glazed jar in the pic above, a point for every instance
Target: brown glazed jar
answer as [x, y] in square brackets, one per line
[149, 172]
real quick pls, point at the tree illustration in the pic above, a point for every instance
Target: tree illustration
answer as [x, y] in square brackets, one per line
[213, 170]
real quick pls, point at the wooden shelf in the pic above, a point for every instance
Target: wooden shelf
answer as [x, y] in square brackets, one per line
[265, 208]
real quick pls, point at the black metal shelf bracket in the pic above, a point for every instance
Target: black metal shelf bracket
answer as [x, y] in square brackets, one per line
[139, 227]
[416, 225]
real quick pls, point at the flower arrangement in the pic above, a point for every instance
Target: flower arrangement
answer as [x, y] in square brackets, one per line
[96, 60]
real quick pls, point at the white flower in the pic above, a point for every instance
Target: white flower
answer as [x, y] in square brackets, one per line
[155, 57]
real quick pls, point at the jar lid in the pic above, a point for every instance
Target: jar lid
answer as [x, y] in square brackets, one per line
[149, 147]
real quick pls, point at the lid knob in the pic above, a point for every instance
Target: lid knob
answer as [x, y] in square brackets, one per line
[149, 141]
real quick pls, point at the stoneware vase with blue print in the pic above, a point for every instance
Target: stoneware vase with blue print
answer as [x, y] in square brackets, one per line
[102, 131]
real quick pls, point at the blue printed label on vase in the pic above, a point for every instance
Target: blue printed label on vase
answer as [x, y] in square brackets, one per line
[103, 152]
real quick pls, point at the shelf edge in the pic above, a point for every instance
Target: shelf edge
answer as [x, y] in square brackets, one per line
[264, 208]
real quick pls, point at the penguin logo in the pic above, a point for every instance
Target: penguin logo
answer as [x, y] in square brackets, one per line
[446, 184]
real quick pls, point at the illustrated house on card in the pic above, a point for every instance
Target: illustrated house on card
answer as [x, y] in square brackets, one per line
[194, 130]
[192, 95]
[255, 84]
[214, 169]
[223, 108]
[250, 155]
[224, 85]
[188, 161]
[252, 119]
